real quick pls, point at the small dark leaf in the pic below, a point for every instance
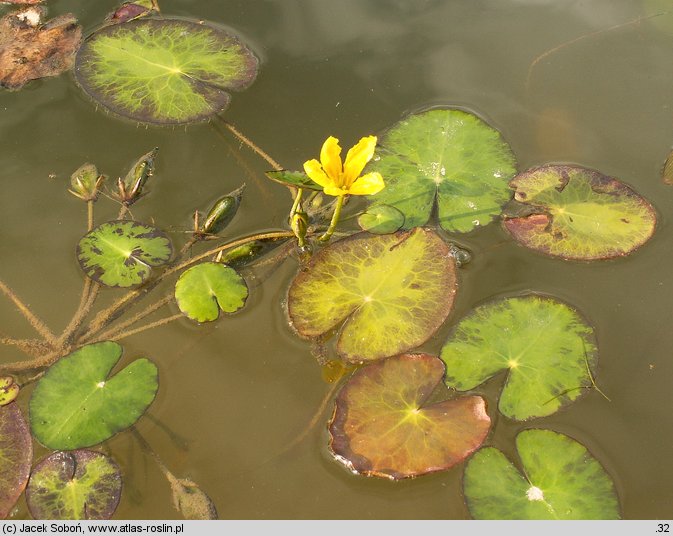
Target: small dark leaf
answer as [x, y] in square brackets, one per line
[81, 484]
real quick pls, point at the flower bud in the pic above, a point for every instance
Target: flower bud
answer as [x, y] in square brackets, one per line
[130, 189]
[9, 390]
[221, 213]
[86, 182]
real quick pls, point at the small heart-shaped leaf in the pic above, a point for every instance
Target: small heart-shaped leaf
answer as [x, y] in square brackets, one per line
[208, 287]
[81, 484]
[383, 425]
[561, 480]
[77, 404]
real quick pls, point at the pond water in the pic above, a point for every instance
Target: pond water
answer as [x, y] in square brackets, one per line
[234, 393]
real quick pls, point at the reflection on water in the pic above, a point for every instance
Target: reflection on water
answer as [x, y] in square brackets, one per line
[240, 390]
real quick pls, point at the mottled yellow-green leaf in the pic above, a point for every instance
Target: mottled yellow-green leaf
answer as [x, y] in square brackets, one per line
[388, 293]
[81, 484]
[579, 213]
[384, 426]
[163, 70]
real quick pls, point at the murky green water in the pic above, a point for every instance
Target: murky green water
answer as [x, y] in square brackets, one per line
[235, 393]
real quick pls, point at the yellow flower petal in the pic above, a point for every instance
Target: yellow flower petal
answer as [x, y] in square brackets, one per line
[314, 170]
[368, 184]
[330, 158]
[335, 191]
[357, 159]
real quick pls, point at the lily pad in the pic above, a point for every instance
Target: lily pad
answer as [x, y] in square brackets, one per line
[560, 480]
[579, 213]
[165, 71]
[16, 455]
[78, 404]
[121, 253]
[450, 156]
[383, 425]
[381, 219]
[32, 49]
[544, 345]
[82, 484]
[296, 179]
[208, 287]
[390, 292]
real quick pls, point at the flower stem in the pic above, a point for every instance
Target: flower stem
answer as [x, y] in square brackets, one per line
[151, 325]
[335, 219]
[89, 212]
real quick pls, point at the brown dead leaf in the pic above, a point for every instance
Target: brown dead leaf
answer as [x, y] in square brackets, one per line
[31, 49]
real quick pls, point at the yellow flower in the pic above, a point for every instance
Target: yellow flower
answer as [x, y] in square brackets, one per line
[338, 180]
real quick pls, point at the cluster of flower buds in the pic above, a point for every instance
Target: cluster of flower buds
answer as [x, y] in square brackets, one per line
[86, 182]
[219, 215]
[130, 188]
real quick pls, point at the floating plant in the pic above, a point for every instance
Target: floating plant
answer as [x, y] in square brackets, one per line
[77, 404]
[579, 213]
[448, 156]
[389, 293]
[205, 289]
[560, 480]
[383, 424]
[81, 484]
[164, 71]
[32, 48]
[544, 345]
[16, 456]
[381, 219]
[120, 253]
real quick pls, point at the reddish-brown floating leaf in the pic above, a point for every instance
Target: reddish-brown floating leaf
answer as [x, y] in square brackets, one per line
[382, 427]
[30, 49]
[16, 455]
[80, 484]
[579, 213]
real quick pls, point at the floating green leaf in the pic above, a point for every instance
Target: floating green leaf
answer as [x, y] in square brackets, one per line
[381, 219]
[448, 154]
[383, 425]
[121, 253]
[16, 455]
[163, 70]
[208, 287]
[545, 346]
[390, 292]
[77, 404]
[297, 179]
[561, 480]
[579, 213]
[81, 484]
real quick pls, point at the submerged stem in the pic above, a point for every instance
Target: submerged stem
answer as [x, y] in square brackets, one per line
[116, 330]
[33, 320]
[247, 141]
[151, 325]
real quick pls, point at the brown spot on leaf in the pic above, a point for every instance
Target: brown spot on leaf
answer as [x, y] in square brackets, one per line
[30, 50]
